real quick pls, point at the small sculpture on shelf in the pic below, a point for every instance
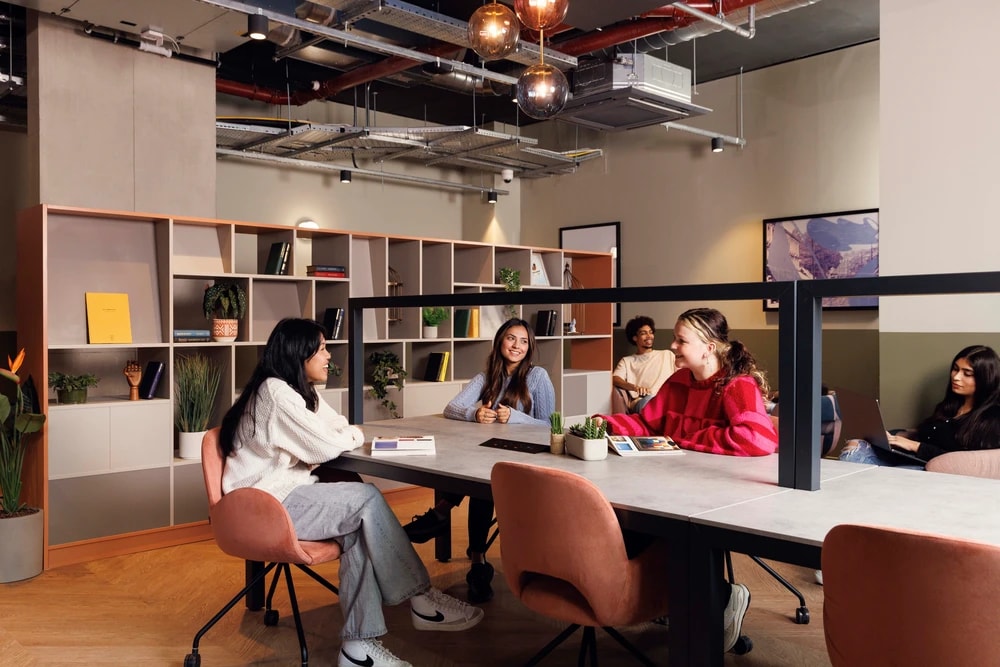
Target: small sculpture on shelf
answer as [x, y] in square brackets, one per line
[133, 375]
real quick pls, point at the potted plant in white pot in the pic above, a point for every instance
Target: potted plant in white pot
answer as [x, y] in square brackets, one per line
[224, 304]
[196, 379]
[72, 389]
[433, 316]
[20, 526]
[588, 441]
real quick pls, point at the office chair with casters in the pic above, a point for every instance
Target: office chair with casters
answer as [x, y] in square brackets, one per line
[899, 597]
[252, 525]
[551, 521]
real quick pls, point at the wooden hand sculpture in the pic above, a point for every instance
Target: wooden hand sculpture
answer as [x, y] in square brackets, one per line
[132, 373]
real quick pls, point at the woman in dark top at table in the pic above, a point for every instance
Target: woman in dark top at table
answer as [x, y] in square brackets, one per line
[511, 391]
[968, 417]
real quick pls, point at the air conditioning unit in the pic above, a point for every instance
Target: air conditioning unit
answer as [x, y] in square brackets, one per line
[628, 92]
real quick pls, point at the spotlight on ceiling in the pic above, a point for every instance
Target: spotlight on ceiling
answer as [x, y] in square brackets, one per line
[257, 26]
[491, 197]
[716, 144]
[345, 175]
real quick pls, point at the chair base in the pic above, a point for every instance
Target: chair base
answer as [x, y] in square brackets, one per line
[588, 646]
[193, 659]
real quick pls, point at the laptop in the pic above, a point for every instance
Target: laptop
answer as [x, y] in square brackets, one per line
[866, 423]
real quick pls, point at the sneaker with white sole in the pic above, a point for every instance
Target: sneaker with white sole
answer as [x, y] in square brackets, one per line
[368, 653]
[435, 610]
[732, 617]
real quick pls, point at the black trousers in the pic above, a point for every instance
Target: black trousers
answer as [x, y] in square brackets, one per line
[480, 520]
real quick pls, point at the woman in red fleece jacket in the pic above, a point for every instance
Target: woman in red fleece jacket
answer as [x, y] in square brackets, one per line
[715, 401]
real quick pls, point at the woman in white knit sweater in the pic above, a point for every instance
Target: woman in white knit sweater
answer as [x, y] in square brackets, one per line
[273, 437]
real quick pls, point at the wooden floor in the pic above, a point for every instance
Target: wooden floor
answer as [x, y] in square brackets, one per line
[144, 609]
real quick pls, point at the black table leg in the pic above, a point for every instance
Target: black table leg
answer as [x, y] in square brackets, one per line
[255, 596]
[442, 544]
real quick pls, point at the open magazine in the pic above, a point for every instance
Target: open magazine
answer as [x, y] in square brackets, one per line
[641, 445]
[403, 445]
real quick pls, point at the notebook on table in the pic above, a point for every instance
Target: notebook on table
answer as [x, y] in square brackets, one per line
[867, 424]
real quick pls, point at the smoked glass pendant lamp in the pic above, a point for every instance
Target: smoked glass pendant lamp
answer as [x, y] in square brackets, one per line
[541, 14]
[542, 90]
[493, 31]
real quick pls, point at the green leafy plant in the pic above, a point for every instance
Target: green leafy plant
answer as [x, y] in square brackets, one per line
[334, 369]
[387, 371]
[224, 301]
[434, 316]
[197, 380]
[511, 279]
[589, 430]
[16, 421]
[63, 382]
[555, 421]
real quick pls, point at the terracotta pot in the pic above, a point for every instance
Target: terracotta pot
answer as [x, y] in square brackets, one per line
[225, 331]
[21, 547]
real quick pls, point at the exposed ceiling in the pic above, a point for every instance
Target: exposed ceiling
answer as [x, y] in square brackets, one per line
[379, 82]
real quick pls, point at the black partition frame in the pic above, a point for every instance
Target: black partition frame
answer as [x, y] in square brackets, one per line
[800, 338]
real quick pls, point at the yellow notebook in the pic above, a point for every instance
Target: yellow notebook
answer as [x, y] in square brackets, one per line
[108, 318]
[474, 323]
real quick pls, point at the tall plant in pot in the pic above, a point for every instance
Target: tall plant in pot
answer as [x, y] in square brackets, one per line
[196, 379]
[224, 304]
[20, 526]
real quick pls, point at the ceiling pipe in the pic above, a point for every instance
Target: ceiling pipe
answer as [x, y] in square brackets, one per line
[721, 22]
[615, 35]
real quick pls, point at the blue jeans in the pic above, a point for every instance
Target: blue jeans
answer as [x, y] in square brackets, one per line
[378, 564]
[865, 453]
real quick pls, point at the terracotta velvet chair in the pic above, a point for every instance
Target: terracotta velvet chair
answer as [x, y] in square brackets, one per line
[564, 557]
[974, 463]
[894, 597]
[252, 525]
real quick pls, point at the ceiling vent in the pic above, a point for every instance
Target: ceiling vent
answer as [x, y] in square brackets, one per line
[629, 92]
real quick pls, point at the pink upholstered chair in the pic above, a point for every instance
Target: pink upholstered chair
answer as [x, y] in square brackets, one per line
[894, 597]
[975, 463]
[252, 525]
[564, 556]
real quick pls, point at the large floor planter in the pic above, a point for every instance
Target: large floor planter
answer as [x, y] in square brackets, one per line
[21, 547]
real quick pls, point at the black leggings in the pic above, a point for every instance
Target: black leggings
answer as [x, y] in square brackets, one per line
[480, 519]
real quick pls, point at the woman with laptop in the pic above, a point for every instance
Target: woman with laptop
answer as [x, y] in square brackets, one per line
[968, 417]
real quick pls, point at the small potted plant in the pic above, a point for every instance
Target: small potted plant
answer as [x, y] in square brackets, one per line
[588, 441]
[433, 316]
[72, 388]
[511, 279]
[558, 437]
[224, 304]
[197, 380]
[387, 371]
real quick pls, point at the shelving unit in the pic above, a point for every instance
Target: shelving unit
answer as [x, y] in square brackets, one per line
[106, 472]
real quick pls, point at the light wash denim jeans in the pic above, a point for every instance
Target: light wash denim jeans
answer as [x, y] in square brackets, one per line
[378, 564]
[865, 453]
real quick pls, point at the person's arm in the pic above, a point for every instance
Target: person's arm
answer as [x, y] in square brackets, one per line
[463, 407]
[543, 399]
[749, 430]
[311, 437]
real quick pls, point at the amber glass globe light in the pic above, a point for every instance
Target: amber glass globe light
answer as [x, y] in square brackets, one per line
[542, 91]
[493, 31]
[541, 14]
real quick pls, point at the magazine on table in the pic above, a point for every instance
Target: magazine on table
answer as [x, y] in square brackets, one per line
[403, 445]
[642, 445]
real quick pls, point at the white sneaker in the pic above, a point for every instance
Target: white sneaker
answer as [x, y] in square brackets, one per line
[368, 653]
[435, 610]
[732, 617]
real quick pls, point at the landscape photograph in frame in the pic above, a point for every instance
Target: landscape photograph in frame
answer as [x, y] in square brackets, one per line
[823, 246]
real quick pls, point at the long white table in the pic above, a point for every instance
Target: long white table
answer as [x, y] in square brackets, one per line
[706, 504]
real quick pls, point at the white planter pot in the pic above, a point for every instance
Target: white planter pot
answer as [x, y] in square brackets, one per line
[189, 445]
[588, 450]
[430, 332]
[21, 547]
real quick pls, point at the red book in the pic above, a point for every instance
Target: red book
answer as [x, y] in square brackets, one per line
[327, 274]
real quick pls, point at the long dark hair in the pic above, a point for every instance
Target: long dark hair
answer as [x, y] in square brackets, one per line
[977, 430]
[496, 371]
[291, 343]
[734, 357]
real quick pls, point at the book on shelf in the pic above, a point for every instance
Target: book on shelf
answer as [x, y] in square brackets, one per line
[474, 323]
[277, 257]
[335, 268]
[539, 276]
[192, 333]
[461, 322]
[286, 252]
[642, 445]
[437, 366]
[333, 321]
[403, 445]
[545, 322]
[108, 319]
[150, 379]
[192, 339]
[326, 274]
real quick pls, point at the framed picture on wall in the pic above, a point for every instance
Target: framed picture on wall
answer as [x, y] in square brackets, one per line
[842, 244]
[600, 237]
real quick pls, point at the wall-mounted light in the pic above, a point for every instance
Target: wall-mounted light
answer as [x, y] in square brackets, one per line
[308, 224]
[257, 26]
[491, 197]
[717, 144]
[345, 175]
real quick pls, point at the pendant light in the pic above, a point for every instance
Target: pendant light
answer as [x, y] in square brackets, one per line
[542, 90]
[541, 14]
[493, 31]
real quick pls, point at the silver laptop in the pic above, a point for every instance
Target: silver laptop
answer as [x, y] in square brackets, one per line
[863, 418]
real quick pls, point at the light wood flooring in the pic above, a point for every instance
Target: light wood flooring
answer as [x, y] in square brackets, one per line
[144, 609]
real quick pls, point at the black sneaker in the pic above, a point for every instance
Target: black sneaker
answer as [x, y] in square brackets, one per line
[479, 578]
[427, 526]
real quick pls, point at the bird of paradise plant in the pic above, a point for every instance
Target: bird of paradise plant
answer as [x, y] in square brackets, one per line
[16, 421]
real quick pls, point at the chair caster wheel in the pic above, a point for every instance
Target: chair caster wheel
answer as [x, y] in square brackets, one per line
[271, 617]
[192, 660]
[742, 646]
[802, 616]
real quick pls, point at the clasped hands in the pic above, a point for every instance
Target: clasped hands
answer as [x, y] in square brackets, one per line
[486, 415]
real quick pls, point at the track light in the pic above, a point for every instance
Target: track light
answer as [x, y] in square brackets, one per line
[345, 175]
[491, 197]
[717, 144]
[257, 26]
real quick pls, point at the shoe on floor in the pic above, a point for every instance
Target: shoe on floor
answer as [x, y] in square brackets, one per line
[435, 610]
[479, 579]
[427, 526]
[368, 653]
[732, 617]
[819, 577]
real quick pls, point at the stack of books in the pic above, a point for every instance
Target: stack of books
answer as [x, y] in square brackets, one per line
[437, 367]
[466, 323]
[326, 270]
[192, 335]
[545, 322]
